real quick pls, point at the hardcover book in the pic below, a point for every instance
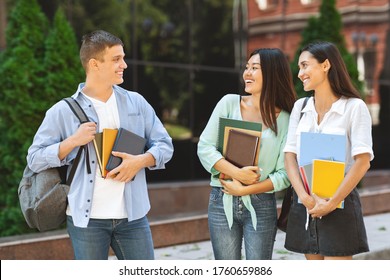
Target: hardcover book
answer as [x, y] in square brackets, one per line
[306, 175]
[125, 142]
[225, 124]
[97, 144]
[109, 136]
[251, 130]
[241, 148]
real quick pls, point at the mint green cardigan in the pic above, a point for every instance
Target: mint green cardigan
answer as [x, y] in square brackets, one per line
[271, 159]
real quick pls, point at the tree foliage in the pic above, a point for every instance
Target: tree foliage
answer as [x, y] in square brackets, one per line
[326, 27]
[32, 77]
[61, 62]
[110, 15]
[20, 87]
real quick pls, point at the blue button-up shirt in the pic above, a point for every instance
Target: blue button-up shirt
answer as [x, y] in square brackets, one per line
[135, 114]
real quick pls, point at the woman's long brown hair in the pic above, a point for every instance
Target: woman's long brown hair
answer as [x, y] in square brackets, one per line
[278, 88]
[339, 79]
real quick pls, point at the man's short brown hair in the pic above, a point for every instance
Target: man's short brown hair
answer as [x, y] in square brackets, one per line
[94, 45]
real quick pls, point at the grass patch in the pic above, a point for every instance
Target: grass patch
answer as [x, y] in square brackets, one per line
[282, 252]
[178, 131]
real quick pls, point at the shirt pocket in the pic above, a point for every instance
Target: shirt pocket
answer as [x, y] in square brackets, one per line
[136, 124]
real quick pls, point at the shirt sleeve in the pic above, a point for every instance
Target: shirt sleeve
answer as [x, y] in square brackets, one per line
[279, 177]
[158, 140]
[291, 142]
[43, 152]
[361, 135]
[207, 145]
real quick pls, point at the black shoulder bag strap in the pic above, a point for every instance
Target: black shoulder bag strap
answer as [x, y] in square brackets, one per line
[288, 196]
[303, 106]
[83, 118]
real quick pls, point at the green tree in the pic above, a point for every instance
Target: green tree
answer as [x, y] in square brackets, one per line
[61, 62]
[326, 27]
[21, 83]
[39, 66]
[110, 15]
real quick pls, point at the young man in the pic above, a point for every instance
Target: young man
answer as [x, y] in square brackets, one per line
[110, 211]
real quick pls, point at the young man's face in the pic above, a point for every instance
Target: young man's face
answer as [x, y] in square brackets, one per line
[112, 66]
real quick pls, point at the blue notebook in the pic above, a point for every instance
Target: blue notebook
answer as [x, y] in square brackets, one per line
[322, 146]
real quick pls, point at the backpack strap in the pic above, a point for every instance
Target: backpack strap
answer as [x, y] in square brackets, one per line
[76, 109]
[83, 118]
[303, 106]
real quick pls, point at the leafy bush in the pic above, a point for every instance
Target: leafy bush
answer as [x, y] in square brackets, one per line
[39, 66]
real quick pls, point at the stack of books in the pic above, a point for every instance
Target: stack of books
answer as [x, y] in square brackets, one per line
[119, 140]
[239, 142]
[322, 163]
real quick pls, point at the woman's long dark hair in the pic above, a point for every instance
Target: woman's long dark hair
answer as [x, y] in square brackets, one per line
[278, 88]
[339, 79]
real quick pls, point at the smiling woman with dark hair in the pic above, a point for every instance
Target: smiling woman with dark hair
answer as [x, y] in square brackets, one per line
[245, 208]
[335, 108]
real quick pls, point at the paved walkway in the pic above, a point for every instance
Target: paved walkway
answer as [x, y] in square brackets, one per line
[378, 232]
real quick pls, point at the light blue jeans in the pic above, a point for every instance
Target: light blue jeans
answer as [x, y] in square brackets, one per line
[227, 242]
[129, 240]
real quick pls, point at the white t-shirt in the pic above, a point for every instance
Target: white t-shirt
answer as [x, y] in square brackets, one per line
[108, 195]
[347, 116]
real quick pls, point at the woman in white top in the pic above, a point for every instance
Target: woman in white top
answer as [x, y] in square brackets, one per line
[335, 108]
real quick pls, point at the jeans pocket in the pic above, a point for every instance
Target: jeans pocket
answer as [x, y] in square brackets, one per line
[263, 199]
[215, 194]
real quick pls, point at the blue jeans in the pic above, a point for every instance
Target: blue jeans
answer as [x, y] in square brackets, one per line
[227, 242]
[129, 240]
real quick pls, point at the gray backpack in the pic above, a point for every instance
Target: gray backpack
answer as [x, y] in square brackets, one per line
[43, 195]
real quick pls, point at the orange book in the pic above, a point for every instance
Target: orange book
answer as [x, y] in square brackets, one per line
[109, 136]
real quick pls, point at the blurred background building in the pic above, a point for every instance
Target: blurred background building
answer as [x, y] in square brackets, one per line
[365, 24]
